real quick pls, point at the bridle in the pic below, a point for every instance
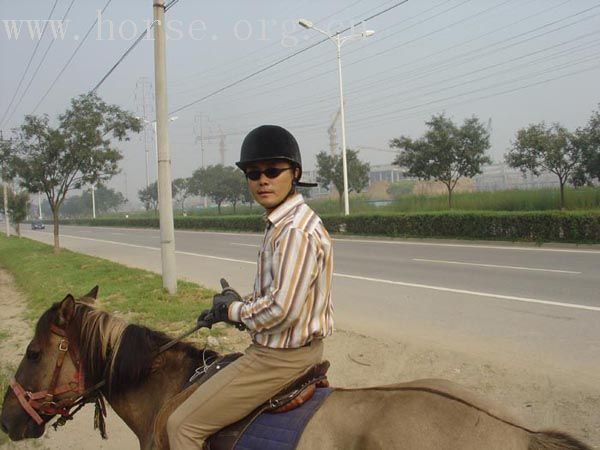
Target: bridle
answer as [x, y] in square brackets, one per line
[46, 402]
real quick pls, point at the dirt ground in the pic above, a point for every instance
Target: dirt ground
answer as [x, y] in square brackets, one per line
[542, 399]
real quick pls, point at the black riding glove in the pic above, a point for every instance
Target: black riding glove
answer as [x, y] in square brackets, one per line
[206, 319]
[221, 302]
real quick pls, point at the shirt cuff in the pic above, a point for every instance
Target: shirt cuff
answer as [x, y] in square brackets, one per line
[234, 311]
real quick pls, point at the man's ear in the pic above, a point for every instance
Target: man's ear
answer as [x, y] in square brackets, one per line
[66, 310]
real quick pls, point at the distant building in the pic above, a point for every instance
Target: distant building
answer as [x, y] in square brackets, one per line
[496, 177]
[385, 172]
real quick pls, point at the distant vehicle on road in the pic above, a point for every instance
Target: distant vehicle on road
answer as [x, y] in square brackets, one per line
[37, 225]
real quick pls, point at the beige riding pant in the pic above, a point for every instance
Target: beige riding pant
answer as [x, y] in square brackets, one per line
[237, 390]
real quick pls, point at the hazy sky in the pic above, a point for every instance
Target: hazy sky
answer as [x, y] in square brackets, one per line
[512, 62]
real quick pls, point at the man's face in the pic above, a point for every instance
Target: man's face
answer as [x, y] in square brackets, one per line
[270, 192]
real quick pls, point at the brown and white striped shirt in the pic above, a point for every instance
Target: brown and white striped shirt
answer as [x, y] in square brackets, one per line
[291, 304]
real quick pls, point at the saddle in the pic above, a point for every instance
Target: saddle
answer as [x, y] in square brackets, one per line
[290, 397]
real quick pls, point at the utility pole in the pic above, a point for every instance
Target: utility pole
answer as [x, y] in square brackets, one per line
[222, 148]
[5, 188]
[199, 132]
[167, 229]
[142, 85]
[93, 202]
[6, 215]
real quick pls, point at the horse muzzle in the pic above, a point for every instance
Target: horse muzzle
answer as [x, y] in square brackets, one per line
[17, 424]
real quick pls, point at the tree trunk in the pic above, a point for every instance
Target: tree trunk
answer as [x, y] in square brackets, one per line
[562, 195]
[449, 197]
[219, 207]
[18, 228]
[56, 240]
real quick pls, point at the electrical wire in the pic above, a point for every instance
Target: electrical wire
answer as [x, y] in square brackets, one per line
[29, 62]
[276, 63]
[37, 69]
[69, 60]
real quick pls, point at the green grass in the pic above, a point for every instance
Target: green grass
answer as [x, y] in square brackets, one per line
[586, 198]
[137, 294]
[3, 335]
[511, 200]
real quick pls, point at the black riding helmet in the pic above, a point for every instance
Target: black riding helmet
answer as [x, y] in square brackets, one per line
[271, 142]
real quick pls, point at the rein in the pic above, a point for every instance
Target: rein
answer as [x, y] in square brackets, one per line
[45, 402]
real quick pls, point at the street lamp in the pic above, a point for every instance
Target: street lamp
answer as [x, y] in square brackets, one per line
[338, 41]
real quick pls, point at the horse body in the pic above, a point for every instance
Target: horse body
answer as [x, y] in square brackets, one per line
[143, 388]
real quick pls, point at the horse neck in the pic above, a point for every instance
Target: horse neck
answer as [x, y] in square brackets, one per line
[139, 406]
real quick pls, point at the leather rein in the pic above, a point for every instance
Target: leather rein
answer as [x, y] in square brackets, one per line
[46, 402]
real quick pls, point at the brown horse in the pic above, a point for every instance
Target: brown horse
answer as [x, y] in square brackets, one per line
[77, 347]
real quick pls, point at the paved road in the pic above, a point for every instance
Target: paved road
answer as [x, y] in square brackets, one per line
[537, 305]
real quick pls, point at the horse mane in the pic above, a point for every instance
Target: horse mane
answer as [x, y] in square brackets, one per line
[114, 350]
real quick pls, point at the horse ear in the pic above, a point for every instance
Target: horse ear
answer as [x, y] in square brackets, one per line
[93, 294]
[66, 310]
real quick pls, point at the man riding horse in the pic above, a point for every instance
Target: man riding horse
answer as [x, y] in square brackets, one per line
[290, 311]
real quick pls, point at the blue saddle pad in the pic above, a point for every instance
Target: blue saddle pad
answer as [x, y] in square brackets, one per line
[281, 431]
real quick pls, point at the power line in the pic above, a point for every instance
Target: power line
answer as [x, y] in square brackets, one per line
[280, 61]
[451, 61]
[70, 59]
[236, 61]
[131, 47]
[137, 41]
[37, 69]
[29, 62]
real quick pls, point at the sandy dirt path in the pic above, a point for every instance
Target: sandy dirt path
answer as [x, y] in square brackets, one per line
[541, 398]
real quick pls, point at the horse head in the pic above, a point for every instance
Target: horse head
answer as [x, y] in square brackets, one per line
[49, 378]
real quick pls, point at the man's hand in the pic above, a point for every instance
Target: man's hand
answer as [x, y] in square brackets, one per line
[206, 319]
[221, 302]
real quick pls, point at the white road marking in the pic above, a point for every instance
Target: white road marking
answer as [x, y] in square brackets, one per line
[244, 245]
[377, 280]
[493, 247]
[217, 257]
[495, 266]
[463, 291]
[376, 241]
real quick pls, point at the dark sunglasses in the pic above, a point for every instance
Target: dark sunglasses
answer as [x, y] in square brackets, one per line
[271, 172]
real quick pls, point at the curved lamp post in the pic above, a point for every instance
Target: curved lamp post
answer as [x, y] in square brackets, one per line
[338, 41]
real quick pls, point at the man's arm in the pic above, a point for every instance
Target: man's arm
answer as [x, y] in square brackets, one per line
[295, 264]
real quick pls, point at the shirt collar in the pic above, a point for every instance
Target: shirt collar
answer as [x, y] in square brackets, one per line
[285, 209]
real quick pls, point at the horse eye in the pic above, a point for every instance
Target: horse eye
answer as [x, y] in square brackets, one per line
[32, 355]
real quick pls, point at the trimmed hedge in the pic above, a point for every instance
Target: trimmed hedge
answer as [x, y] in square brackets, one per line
[543, 226]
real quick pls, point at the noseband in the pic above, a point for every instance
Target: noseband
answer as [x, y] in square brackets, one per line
[46, 402]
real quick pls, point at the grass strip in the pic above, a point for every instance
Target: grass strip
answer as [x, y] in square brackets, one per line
[134, 294]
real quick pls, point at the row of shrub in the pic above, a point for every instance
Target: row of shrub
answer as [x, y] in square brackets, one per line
[554, 226]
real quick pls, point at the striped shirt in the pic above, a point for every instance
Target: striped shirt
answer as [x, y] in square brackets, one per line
[291, 302]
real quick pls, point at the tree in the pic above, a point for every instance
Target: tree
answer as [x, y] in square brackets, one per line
[55, 160]
[220, 183]
[588, 139]
[81, 205]
[18, 204]
[330, 170]
[402, 187]
[446, 152]
[540, 148]
[149, 196]
[182, 191]
[107, 199]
